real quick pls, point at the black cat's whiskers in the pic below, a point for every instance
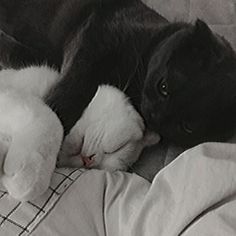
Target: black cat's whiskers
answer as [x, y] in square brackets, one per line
[119, 81]
[127, 84]
[139, 80]
[137, 71]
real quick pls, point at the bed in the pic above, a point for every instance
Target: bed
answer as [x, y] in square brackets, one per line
[193, 195]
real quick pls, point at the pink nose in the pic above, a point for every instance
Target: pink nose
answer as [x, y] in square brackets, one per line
[87, 160]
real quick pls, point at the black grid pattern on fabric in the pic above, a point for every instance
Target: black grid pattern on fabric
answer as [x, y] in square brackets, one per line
[54, 193]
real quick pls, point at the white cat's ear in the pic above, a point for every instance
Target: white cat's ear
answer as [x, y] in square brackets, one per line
[150, 138]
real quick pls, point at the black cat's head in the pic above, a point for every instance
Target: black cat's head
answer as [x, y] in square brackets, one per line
[189, 95]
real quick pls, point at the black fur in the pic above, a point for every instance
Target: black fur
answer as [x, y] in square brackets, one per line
[198, 69]
[181, 77]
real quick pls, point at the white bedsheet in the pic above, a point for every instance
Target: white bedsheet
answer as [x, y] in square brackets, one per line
[194, 195]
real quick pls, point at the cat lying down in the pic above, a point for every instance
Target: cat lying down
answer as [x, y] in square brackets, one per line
[109, 135]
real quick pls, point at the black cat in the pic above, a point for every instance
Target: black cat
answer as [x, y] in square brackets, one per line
[181, 77]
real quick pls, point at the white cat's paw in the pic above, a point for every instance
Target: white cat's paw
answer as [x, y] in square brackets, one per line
[30, 180]
[31, 157]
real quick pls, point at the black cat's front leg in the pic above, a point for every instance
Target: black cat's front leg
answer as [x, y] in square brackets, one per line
[79, 73]
[77, 86]
[71, 96]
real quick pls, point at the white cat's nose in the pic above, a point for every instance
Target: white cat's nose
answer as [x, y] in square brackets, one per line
[88, 160]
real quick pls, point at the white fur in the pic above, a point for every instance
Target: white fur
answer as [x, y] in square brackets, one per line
[36, 80]
[33, 131]
[109, 122]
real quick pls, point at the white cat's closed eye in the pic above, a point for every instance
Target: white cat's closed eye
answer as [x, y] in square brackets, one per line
[117, 149]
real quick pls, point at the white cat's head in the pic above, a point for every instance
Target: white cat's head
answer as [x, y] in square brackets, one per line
[109, 135]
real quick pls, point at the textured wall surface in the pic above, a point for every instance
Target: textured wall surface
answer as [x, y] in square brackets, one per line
[219, 14]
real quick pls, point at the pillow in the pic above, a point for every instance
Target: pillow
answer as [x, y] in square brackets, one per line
[220, 15]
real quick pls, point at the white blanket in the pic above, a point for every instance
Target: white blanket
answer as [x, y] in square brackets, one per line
[220, 15]
[194, 195]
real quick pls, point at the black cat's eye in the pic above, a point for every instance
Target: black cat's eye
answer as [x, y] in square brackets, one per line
[187, 127]
[163, 88]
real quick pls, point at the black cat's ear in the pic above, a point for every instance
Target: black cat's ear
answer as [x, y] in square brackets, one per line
[204, 44]
[202, 28]
[202, 31]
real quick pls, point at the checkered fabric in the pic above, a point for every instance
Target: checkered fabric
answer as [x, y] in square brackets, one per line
[20, 219]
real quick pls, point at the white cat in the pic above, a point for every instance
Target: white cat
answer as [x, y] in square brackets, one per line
[109, 135]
